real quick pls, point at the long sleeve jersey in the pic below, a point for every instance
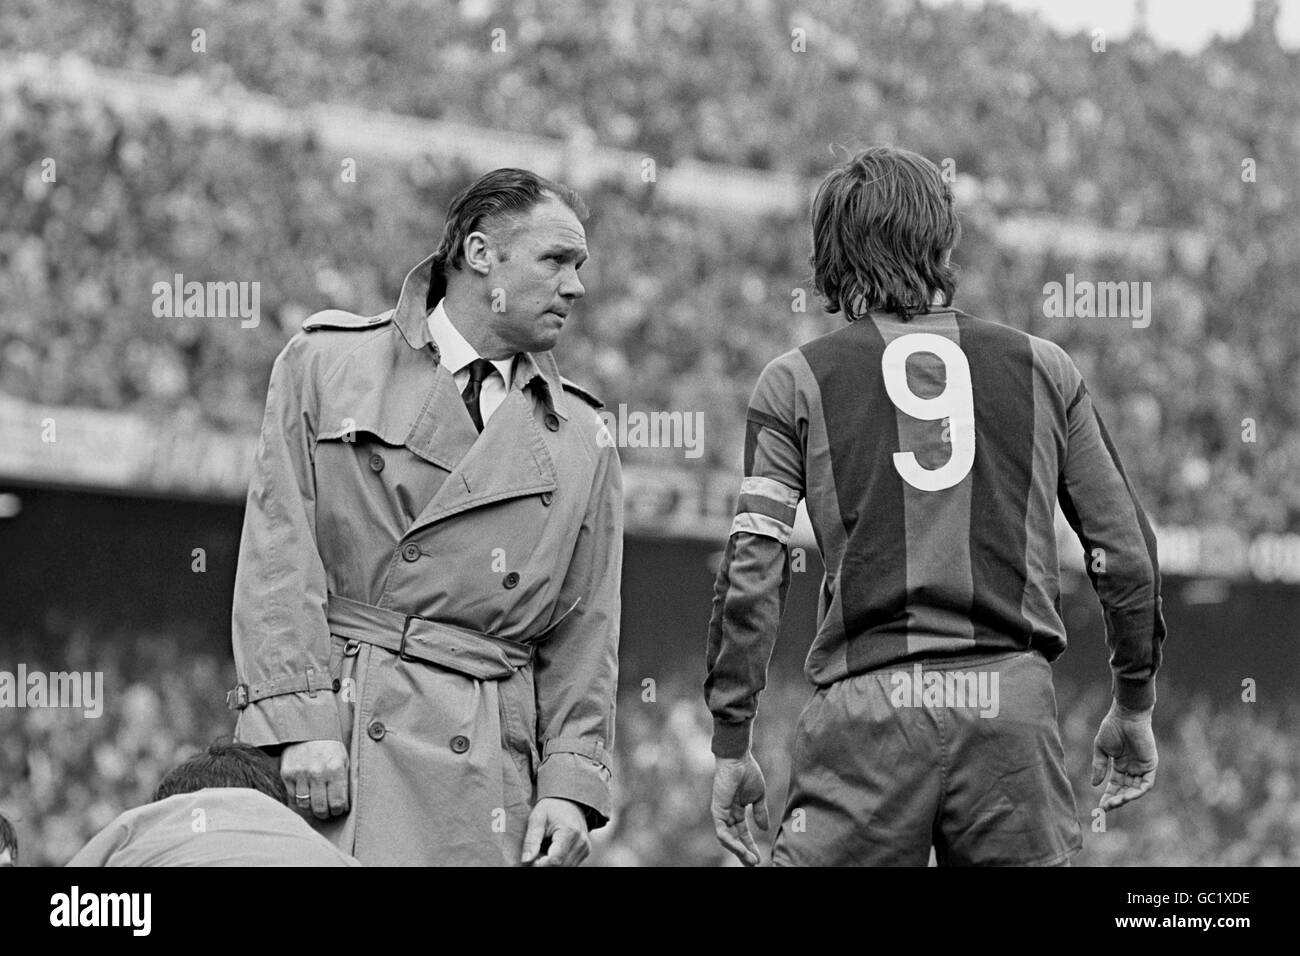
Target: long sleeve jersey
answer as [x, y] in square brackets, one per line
[931, 454]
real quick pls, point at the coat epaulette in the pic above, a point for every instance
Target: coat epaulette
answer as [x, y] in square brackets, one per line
[338, 319]
[582, 393]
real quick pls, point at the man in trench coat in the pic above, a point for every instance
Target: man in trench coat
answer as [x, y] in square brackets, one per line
[426, 616]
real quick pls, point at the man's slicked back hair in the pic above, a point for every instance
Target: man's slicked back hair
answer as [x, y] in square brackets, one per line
[226, 763]
[883, 224]
[493, 200]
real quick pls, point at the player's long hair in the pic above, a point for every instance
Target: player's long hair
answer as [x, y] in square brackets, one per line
[883, 227]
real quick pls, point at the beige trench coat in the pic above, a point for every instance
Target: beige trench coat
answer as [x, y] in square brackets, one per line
[444, 603]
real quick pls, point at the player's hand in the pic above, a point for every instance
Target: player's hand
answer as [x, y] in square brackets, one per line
[738, 783]
[316, 770]
[1126, 739]
[565, 822]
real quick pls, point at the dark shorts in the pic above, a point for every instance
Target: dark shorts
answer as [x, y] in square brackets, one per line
[968, 761]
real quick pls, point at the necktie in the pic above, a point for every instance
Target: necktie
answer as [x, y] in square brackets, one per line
[479, 369]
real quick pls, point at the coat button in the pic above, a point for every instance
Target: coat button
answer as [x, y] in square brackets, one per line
[459, 744]
[552, 421]
[376, 730]
[376, 463]
[411, 552]
[336, 685]
[511, 579]
[546, 498]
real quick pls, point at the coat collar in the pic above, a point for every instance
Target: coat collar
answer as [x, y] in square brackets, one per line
[421, 290]
[456, 352]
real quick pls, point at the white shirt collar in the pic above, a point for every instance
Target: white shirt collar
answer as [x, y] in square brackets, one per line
[456, 353]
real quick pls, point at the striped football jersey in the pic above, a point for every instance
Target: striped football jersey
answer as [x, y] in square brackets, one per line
[931, 454]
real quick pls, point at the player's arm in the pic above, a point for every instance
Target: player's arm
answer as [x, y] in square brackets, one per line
[279, 630]
[748, 600]
[1120, 555]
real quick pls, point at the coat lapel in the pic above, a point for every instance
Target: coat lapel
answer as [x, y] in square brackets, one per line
[440, 435]
[508, 460]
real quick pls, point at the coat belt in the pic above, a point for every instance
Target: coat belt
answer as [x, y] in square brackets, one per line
[460, 649]
[472, 653]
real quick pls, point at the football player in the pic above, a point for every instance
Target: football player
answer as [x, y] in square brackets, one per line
[931, 448]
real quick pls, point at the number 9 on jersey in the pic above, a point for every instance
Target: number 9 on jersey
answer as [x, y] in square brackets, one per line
[956, 403]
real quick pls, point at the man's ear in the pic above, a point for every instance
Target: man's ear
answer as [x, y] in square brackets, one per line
[476, 253]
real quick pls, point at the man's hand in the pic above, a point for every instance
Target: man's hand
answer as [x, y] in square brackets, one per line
[1125, 737]
[316, 775]
[565, 822]
[737, 783]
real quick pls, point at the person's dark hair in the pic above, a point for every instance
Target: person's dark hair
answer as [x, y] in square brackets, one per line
[226, 763]
[883, 226]
[8, 838]
[493, 201]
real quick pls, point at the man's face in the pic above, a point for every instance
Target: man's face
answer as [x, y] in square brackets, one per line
[537, 285]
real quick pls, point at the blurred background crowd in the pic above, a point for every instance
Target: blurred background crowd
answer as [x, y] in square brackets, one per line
[1117, 165]
[1227, 791]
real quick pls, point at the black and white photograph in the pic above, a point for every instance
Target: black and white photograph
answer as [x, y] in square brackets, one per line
[690, 434]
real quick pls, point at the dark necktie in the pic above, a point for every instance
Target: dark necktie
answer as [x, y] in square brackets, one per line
[479, 369]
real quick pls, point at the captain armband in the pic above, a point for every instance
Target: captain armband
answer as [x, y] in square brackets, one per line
[767, 508]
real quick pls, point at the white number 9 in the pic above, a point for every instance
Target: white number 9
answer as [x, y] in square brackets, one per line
[956, 403]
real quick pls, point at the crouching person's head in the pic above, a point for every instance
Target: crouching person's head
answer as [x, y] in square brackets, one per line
[226, 763]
